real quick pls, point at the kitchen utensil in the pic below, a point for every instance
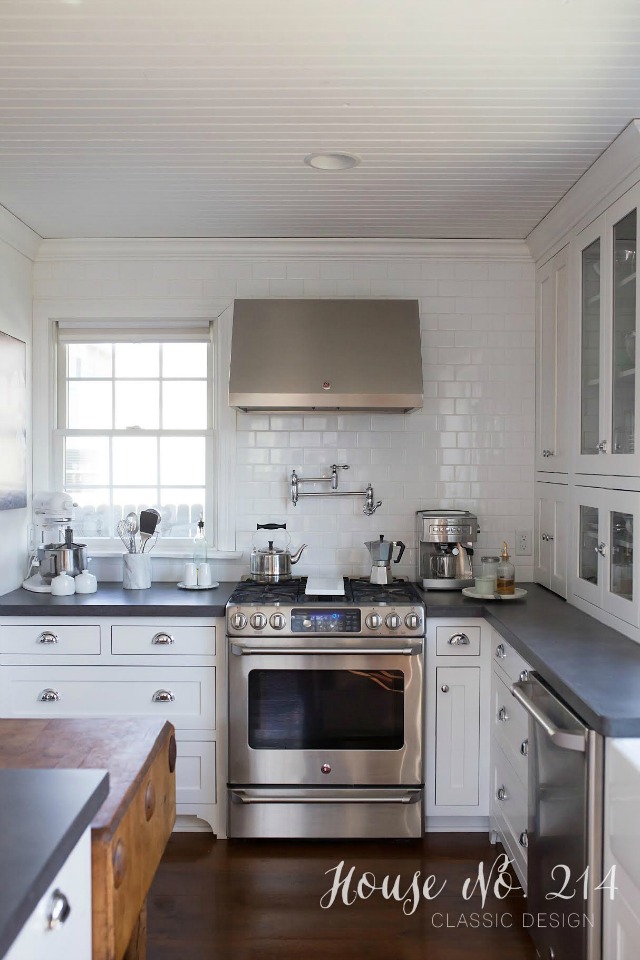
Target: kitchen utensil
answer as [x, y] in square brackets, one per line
[149, 520]
[272, 563]
[123, 532]
[381, 551]
[131, 526]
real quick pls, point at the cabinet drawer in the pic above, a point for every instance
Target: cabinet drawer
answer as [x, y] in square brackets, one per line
[111, 692]
[195, 772]
[510, 662]
[509, 803]
[50, 640]
[458, 641]
[73, 937]
[179, 640]
[510, 727]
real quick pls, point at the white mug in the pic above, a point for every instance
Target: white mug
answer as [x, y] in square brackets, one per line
[204, 575]
[190, 575]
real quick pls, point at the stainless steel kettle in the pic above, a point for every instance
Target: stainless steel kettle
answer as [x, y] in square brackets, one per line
[273, 563]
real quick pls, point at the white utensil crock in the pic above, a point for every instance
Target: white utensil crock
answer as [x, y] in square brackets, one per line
[136, 571]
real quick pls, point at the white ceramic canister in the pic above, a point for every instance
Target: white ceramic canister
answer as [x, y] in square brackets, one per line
[136, 571]
[86, 582]
[63, 585]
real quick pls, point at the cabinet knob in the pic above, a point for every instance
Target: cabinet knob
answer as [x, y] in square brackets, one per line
[49, 695]
[524, 748]
[523, 839]
[162, 638]
[47, 637]
[459, 640]
[502, 714]
[502, 794]
[500, 651]
[163, 696]
[445, 688]
[59, 910]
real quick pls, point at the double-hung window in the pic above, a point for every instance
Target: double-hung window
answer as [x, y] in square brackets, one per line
[135, 427]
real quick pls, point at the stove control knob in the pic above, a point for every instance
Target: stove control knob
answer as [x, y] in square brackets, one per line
[258, 621]
[373, 621]
[393, 621]
[412, 621]
[277, 621]
[238, 621]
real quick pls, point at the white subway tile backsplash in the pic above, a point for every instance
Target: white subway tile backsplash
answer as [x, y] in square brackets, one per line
[471, 446]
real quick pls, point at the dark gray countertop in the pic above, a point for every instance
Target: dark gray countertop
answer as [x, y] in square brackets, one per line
[595, 669]
[111, 600]
[43, 814]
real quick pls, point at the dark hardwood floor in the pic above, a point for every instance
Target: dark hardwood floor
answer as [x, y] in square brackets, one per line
[245, 900]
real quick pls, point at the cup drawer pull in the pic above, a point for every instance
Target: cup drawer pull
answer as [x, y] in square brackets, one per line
[59, 910]
[502, 794]
[524, 748]
[459, 640]
[163, 696]
[502, 714]
[49, 695]
[162, 639]
[47, 637]
[500, 651]
[523, 839]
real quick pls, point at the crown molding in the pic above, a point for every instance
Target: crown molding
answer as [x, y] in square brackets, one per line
[288, 248]
[614, 172]
[18, 235]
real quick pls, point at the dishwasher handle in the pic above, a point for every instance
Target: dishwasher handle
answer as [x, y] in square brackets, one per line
[561, 738]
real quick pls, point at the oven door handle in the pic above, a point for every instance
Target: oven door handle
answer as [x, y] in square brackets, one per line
[411, 649]
[336, 796]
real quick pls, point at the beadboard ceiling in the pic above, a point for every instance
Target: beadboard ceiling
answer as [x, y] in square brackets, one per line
[191, 118]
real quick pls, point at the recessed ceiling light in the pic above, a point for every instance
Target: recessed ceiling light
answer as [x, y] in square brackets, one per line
[332, 161]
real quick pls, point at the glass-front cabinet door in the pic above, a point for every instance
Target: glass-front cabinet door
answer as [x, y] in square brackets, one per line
[606, 522]
[608, 407]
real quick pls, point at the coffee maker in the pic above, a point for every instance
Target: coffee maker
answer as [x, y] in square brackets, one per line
[445, 548]
[381, 555]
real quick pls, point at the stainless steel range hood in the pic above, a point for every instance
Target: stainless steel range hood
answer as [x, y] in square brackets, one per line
[319, 355]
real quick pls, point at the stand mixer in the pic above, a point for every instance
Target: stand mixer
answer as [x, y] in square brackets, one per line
[381, 556]
[52, 513]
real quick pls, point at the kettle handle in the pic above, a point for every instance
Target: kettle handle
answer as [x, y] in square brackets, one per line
[400, 544]
[271, 526]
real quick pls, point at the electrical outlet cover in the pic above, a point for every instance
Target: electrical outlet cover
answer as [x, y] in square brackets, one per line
[523, 543]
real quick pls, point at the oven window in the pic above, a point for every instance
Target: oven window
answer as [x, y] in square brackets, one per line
[326, 709]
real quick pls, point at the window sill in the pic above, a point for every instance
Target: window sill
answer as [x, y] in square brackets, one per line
[168, 554]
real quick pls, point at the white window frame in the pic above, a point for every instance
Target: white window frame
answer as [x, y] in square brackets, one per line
[220, 502]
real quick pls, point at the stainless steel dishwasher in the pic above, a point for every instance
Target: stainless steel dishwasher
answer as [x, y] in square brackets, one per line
[565, 826]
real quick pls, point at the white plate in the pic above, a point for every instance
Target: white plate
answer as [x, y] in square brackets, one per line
[184, 586]
[472, 592]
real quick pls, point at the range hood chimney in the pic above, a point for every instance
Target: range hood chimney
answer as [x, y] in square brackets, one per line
[321, 355]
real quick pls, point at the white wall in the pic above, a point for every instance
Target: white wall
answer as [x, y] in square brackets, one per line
[471, 446]
[16, 270]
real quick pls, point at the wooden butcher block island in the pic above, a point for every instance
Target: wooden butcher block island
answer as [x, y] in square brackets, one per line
[131, 829]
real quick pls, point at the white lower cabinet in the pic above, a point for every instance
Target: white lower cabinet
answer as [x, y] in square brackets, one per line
[60, 926]
[457, 727]
[169, 669]
[621, 914]
[509, 757]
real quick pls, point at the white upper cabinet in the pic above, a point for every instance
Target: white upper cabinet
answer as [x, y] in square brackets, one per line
[605, 266]
[552, 367]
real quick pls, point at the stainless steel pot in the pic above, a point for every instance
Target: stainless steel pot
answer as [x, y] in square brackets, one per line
[273, 563]
[55, 558]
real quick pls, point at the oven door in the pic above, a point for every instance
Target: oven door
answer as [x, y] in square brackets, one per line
[332, 713]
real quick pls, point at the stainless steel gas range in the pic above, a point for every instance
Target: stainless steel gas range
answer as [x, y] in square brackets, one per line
[325, 711]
